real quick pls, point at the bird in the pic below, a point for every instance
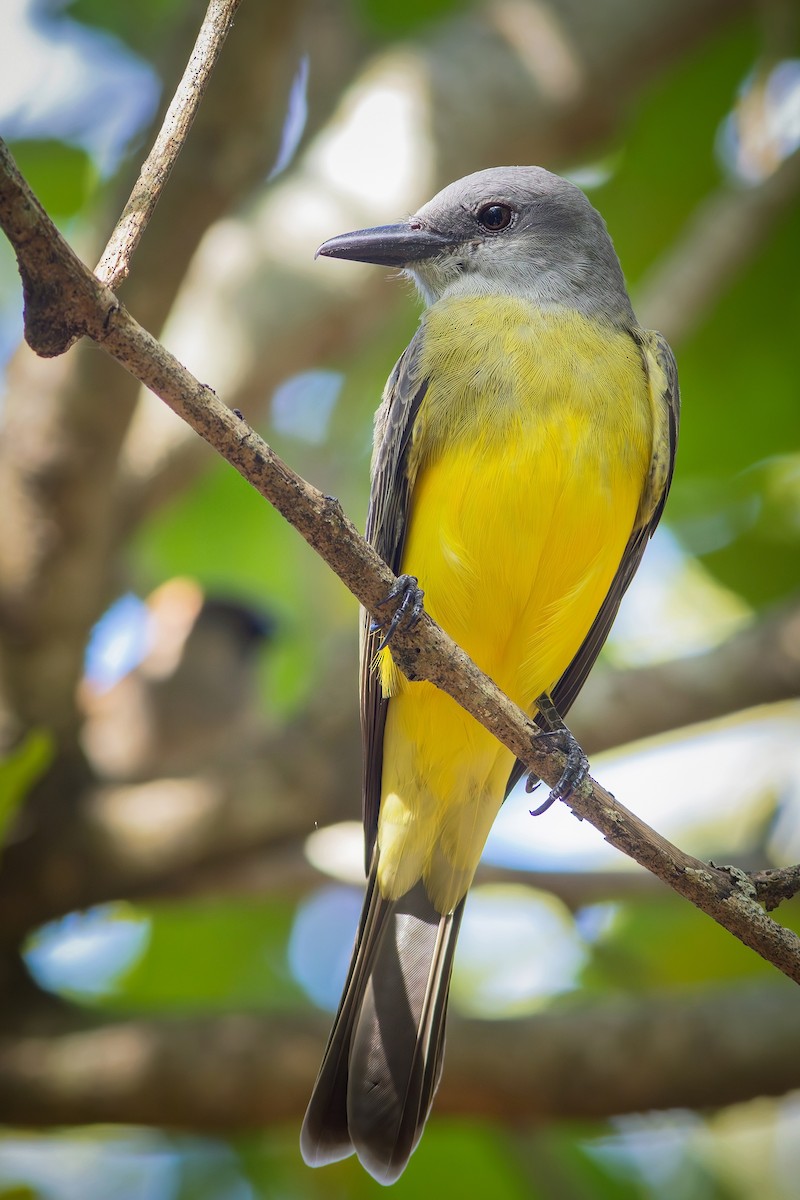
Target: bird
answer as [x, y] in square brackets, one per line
[523, 453]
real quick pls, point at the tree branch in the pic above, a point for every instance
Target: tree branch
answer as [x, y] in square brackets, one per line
[51, 270]
[239, 1071]
[237, 841]
[114, 264]
[775, 885]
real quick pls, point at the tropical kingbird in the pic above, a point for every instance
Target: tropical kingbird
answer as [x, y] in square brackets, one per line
[523, 454]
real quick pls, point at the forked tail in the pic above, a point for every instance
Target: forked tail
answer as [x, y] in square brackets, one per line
[384, 1057]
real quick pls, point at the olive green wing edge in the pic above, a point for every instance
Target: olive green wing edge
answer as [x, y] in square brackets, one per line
[662, 374]
[387, 521]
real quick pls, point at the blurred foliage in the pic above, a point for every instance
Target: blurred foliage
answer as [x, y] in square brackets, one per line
[227, 955]
[62, 176]
[738, 374]
[664, 163]
[18, 773]
[142, 26]
[735, 503]
[396, 18]
[222, 512]
[657, 944]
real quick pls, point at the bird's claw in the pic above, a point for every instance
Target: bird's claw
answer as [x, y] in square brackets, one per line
[409, 594]
[576, 767]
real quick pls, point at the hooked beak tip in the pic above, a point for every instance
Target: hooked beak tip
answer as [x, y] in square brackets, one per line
[325, 250]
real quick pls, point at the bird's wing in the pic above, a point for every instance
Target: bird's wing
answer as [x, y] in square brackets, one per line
[662, 374]
[387, 521]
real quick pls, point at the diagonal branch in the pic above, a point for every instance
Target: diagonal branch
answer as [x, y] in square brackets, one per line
[115, 261]
[61, 292]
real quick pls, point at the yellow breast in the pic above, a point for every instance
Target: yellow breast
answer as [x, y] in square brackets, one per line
[529, 458]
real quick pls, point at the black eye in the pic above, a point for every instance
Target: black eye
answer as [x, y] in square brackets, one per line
[494, 216]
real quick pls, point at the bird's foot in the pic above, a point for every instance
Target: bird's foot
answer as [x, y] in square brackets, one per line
[409, 594]
[576, 768]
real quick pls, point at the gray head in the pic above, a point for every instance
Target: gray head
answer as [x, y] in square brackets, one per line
[505, 231]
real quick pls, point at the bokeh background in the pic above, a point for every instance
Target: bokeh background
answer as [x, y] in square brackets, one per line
[179, 773]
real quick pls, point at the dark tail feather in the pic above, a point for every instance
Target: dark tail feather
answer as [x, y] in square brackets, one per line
[384, 1057]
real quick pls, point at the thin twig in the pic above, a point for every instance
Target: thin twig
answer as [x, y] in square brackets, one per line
[54, 278]
[114, 264]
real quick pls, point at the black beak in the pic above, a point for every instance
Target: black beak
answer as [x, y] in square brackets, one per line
[388, 245]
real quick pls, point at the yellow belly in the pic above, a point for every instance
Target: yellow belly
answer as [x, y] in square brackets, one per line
[531, 452]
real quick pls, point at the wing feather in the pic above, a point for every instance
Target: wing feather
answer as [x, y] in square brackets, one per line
[387, 522]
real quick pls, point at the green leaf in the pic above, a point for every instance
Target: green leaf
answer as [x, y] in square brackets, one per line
[19, 772]
[559, 1159]
[142, 26]
[396, 18]
[740, 389]
[463, 1158]
[656, 944]
[666, 164]
[63, 177]
[212, 956]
